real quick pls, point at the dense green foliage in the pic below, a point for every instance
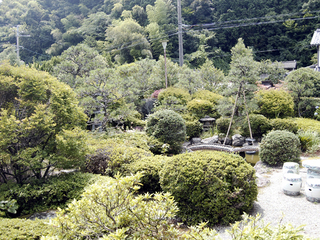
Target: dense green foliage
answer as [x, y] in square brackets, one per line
[168, 127]
[39, 125]
[111, 207]
[119, 29]
[306, 124]
[23, 229]
[309, 140]
[278, 147]
[150, 167]
[39, 196]
[193, 129]
[302, 83]
[223, 125]
[210, 186]
[260, 125]
[113, 158]
[200, 108]
[275, 103]
[284, 124]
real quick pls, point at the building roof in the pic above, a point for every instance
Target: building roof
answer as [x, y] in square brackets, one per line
[315, 38]
[289, 64]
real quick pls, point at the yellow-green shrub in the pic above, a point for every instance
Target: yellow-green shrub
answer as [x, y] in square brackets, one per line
[200, 108]
[306, 124]
[113, 158]
[180, 94]
[284, 124]
[14, 229]
[275, 103]
[207, 95]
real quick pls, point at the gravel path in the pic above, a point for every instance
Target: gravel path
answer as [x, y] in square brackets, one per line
[274, 206]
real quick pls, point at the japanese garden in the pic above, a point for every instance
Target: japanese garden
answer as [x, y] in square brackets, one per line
[118, 131]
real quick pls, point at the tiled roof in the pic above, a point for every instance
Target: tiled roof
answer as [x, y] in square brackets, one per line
[316, 38]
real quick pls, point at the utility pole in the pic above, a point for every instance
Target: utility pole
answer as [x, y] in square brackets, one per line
[180, 33]
[18, 47]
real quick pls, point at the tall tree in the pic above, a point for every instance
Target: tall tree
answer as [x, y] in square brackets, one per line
[127, 41]
[38, 114]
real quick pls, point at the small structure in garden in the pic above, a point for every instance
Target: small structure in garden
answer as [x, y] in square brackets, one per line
[312, 186]
[208, 123]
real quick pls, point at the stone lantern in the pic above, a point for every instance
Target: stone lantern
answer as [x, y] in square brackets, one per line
[207, 123]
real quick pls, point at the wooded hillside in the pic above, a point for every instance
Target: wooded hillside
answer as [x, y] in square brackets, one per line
[126, 30]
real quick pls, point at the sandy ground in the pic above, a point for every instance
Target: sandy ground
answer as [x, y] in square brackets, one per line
[275, 206]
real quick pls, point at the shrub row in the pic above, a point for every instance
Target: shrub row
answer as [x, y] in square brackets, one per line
[42, 196]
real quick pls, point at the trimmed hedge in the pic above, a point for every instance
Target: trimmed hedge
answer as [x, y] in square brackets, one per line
[150, 166]
[306, 124]
[284, 124]
[211, 186]
[168, 127]
[279, 147]
[39, 196]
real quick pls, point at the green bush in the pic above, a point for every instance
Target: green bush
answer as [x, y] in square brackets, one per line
[40, 196]
[193, 129]
[216, 187]
[309, 141]
[207, 95]
[200, 108]
[284, 124]
[223, 125]
[113, 158]
[15, 229]
[260, 125]
[278, 147]
[306, 124]
[150, 166]
[181, 95]
[275, 103]
[168, 127]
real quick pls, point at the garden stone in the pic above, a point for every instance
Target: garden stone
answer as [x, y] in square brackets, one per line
[196, 140]
[211, 140]
[238, 140]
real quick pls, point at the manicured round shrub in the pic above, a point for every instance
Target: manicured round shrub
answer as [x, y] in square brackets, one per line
[168, 127]
[260, 125]
[200, 108]
[278, 147]
[275, 103]
[284, 124]
[193, 129]
[180, 94]
[150, 167]
[215, 187]
[207, 95]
